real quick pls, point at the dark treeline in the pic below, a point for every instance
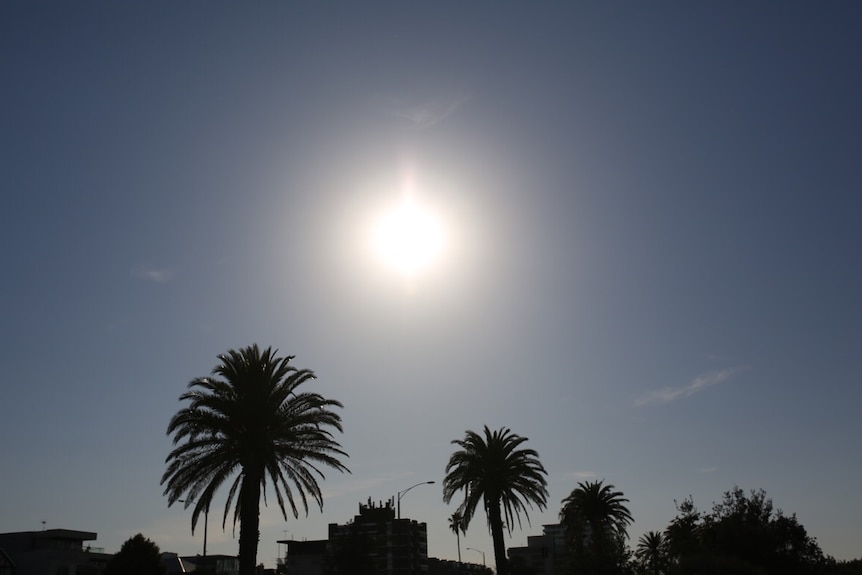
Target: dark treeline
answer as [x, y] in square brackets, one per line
[743, 534]
[253, 420]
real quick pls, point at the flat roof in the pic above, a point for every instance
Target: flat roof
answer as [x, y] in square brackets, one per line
[65, 534]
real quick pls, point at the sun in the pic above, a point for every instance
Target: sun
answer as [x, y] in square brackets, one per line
[408, 237]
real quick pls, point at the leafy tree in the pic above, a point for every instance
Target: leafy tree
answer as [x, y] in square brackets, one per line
[743, 534]
[852, 567]
[251, 421]
[137, 556]
[596, 522]
[651, 552]
[682, 533]
[508, 479]
[456, 524]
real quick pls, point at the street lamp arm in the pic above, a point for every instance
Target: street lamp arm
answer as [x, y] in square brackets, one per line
[478, 551]
[400, 493]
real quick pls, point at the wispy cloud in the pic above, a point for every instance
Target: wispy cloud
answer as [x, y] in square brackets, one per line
[429, 112]
[698, 384]
[152, 274]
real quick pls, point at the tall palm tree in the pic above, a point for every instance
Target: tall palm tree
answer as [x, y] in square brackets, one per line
[652, 552]
[494, 470]
[250, 421]
[596, 519]
[456, 524]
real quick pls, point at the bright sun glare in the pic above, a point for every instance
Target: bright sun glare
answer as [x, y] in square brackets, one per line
[408, 237]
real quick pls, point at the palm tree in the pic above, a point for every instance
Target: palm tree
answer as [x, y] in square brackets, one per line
[249, 420]
[507, 479]
[456, 524]
[652, 552]
[596, 519]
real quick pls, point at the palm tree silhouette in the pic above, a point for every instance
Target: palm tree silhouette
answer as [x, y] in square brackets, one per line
[456, 524]
[507, 479]
[596, 519]
[652, 552]
[249, 420]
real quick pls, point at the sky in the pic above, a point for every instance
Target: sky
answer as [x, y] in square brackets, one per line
[647, 257]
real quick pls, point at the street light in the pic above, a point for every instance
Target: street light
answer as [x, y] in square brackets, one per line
[400, 493]
[206, 520]
[479, 551]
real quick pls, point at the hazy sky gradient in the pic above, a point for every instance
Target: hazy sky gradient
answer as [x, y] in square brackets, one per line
[653, 267]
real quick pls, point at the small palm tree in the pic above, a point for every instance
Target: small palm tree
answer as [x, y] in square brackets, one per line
[456, 524]
[651, 552]
[494, 470]
[596, 519]
[250, 420]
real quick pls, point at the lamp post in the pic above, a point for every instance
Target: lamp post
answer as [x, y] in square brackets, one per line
[206, 520]
[400, 493]
[479, 551]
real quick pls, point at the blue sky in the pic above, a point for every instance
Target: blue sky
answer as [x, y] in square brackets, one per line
[651, 267]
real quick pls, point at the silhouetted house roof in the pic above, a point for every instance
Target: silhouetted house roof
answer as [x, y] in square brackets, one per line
[220, 564]
[39, 552]
[7, 566]
[174, 564]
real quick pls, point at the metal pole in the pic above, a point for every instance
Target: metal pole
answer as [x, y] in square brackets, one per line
[400, 493]
[479, 551]
[206, 521]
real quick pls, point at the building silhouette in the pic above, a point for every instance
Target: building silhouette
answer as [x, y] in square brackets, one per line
[54, 551]
[7, 566]
[449, 567]
[218, 564]
[545, 554]
[304, 557]
[374, 542]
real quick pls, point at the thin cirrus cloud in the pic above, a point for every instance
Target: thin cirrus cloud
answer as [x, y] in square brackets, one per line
[428, 113]
[698, 384]
[152, 274]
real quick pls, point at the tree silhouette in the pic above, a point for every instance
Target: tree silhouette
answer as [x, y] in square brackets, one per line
[743, 534]
[456, 525]
[494, 470]
[681, 536]
[651, 552]
[596, 519]
[137, 556]
[251, 421]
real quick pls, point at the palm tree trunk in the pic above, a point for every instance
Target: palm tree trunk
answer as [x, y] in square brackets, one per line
[249, 522]
[458, 537]
[496, 522]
